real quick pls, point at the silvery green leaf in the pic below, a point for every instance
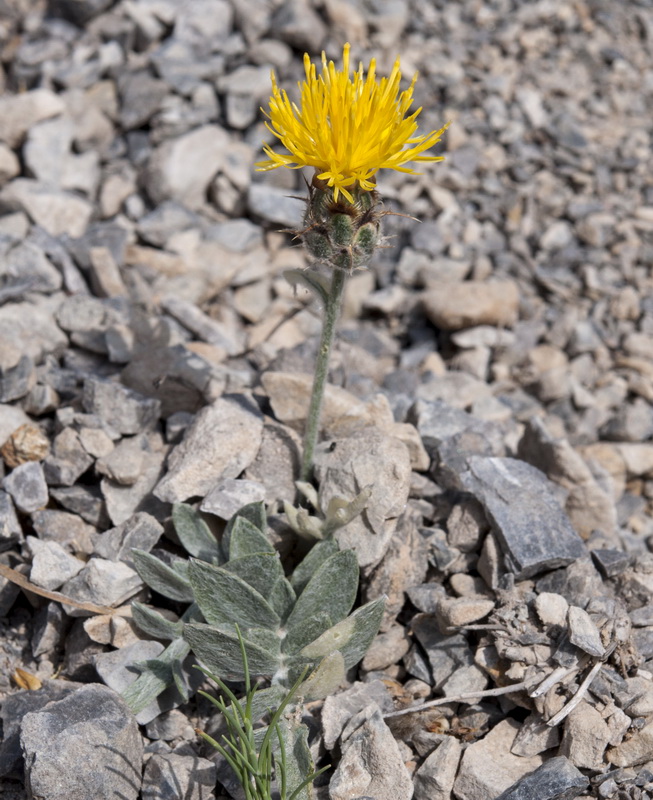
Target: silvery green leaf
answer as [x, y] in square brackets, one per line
[311, 562]
[332, 589]
[155, 624]
[254, 513]
[306, 630]
[246, 539]
[260, 570]
[194, 533]
[180, 566]
[159, 576]
[155, 677]
[179, 679]
[282, 598]
[220, 652]
[352, 636]
[224, 597]
[325, 679]
[341, 512]
[312, 281]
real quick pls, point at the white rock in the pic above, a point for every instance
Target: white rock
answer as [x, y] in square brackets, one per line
[19, 112]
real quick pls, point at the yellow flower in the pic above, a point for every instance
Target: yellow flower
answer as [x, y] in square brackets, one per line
[347, 129]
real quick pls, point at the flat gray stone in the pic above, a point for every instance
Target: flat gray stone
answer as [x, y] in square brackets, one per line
[85, 745]
[141, 530]
[230, 495]
[105, 583]
[121, 408]
[534, 532]
[556, 779]
[52, 565]
[584, 633]
[371, 764]
[339, 708]
[435, 778]
[27, 487]
[68, 459]
[169, 776]
[220, 443]
[344, 467]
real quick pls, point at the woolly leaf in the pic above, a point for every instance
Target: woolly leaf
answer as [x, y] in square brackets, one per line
[155, 624]
[159, 576]
[194, 533]
[331, 589]
[325, 679]
[225, 598]
[352, 636]
[156, 677]
[315, 558]
[306, 630]
[246, 538]
[220, 652]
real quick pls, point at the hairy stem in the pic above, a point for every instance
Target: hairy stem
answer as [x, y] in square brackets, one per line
[331, 312]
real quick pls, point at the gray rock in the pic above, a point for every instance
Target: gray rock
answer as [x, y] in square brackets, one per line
[184, 167]
[371, 764]
[64, 528]
[141, 531]
[30, 327]
[57, 211]
[205, 328]
[86, 501]
[635, 750]
[221, 442]
[141, 96]
[10, 528]
[27, 487]
[170, 776]
[534, 737]
[585, 737]
[17, 374]
[339, 708]
[105, 583]
[14, 708]
[610, 563]
[121, 408]
[230, 495]
[275, 205]
[345, 467]
[68, 459]
[169, 726]
[164, 221]
[18, 113]
[435, 778]
[583, 632]
[556, 779]
[48, 631]
[124, 500]
[297, 24]
[52, 565]
[86, 744]
[124, 464]
[445, 653]
[534, 532]
[277, 462]
[489, 768]
[27, 260]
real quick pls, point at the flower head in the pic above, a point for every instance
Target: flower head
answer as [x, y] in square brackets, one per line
[347, 128]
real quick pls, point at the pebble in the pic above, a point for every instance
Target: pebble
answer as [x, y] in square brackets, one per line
[27, 487]
[454, 306]
[435, 778]
[585, 737]
[488, 767]
[371, 763]
[121, 408]
[220, 443]
[141, 531]
[52, 565]
[230, 495]
[56, 211]
[102, 582]
[168, 776]
[26, 443]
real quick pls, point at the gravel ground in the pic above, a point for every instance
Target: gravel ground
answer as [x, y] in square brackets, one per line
[493, 381]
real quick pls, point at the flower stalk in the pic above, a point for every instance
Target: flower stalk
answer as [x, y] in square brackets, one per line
[331, 314]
